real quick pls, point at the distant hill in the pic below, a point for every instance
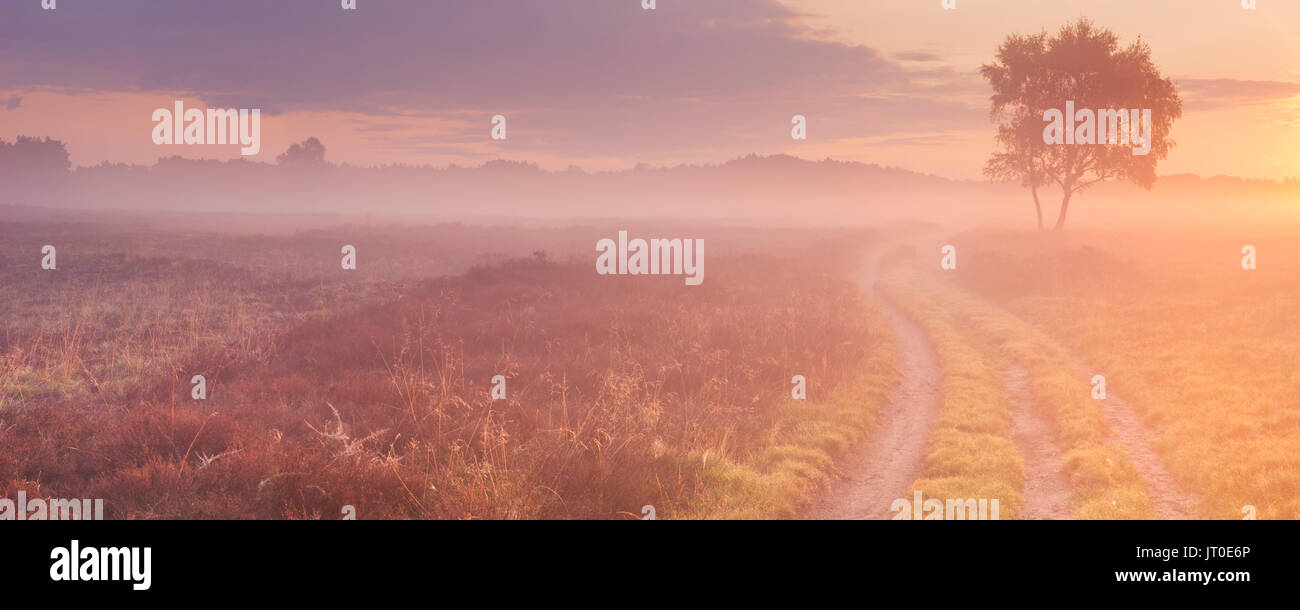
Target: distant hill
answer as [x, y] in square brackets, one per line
[777, 189]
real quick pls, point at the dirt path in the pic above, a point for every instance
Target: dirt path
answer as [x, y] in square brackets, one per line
[1168, 499]
[886, 464]
[889, 460]
[1046, 490]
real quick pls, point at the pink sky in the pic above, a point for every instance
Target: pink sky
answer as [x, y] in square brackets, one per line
[603, 84]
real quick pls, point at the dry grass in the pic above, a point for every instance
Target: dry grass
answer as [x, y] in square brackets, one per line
[1202, 349]
[326, 391]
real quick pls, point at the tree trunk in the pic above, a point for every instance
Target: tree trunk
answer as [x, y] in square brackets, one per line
[1033, 185]
[1065, 207]
[1038, 207]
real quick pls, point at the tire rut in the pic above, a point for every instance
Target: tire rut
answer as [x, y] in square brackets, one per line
[1168, 499]
[889, 459]
[1046, 489]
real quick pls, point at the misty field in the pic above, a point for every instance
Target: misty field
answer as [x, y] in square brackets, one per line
[371, 389]
[1200, 350]
[467, 372]
[1204, 350]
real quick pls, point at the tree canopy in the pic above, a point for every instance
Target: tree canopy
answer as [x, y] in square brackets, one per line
[1083, 64]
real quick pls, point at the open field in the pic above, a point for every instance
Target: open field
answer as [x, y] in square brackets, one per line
[372, 389]
[1200, 417]
[1203, 350]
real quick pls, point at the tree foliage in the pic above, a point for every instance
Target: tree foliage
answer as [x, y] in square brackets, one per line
[33, 157]
[1084, 64]
[308, 153]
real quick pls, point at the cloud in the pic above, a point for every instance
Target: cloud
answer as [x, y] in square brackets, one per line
[296, 53]
[1216, 93]
[589, 77]
[917, 56]
[936, 139]
[14, 101]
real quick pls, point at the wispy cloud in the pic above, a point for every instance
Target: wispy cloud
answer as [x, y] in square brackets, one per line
[917, 56]
[600, 78]
[1216, 93]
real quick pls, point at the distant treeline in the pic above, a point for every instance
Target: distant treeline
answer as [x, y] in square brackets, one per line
[780, 188]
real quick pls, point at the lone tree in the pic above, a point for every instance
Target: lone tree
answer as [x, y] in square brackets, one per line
[1034, 76]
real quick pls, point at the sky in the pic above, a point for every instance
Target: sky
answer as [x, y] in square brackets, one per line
[605, 84]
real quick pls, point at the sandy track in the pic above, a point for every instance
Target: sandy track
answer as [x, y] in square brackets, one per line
[888, 461]
[883, 468]
[1046, 489]
[1167, 499]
